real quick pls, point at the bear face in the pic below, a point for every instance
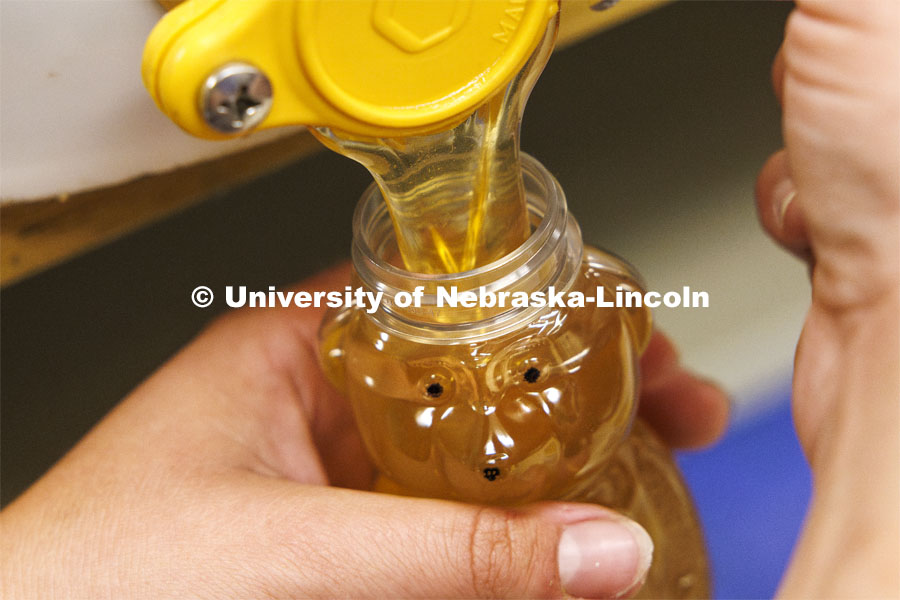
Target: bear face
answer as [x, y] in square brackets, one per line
[512, 419]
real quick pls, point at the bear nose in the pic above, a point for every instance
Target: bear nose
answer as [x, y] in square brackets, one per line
[491, 473]
[495, 464]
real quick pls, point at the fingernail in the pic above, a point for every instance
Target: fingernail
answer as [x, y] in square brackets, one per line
[782, 208]
[603, 558]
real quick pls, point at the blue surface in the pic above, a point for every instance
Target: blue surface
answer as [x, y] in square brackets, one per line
[752, 490]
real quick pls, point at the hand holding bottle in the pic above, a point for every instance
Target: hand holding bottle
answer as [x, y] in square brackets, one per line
[218, 477]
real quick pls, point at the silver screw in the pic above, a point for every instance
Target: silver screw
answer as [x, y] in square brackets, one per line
[236, 98]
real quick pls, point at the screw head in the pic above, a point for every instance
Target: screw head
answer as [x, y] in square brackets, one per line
[236, 98]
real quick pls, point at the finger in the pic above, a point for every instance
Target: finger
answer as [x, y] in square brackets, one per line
[248, 392]
[326, 542]
[659, 359]
[331, 418]
[777, 208]
[778, 75]
[334, 278]
[327, 416]
[685, 410]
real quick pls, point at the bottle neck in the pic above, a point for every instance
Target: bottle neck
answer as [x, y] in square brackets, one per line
[550, 257]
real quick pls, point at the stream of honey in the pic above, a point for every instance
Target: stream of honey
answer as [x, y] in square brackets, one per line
[455, 196]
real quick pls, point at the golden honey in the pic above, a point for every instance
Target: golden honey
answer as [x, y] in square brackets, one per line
[489, 404]
[508, 406]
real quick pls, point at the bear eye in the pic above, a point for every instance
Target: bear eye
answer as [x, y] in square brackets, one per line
[532, 374]
[437, 384]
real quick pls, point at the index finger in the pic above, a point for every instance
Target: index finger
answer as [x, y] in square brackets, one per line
[684, 409]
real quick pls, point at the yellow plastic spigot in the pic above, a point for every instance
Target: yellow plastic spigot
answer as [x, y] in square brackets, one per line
[365, 67]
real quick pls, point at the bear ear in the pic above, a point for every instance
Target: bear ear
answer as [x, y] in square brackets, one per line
[614, 272]
[331, 346]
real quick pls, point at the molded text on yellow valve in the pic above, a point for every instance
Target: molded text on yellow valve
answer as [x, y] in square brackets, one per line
[512, 16]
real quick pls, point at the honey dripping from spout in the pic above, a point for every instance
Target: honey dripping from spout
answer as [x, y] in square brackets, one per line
[455, 197]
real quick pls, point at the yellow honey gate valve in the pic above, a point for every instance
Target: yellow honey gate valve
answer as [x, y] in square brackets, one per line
[221, 68]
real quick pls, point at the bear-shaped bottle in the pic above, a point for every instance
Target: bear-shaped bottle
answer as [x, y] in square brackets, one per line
[514, 398]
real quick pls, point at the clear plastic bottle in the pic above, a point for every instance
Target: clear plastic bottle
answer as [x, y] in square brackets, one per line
[503, 405]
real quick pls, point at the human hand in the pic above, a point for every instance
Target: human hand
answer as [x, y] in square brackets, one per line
[832, 196]
[235, 471]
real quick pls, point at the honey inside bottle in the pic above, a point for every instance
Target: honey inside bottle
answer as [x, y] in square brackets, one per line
[509, 412]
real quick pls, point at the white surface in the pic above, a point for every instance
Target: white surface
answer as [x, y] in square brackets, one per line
[74, 113]
[758, 295]
[704, 233]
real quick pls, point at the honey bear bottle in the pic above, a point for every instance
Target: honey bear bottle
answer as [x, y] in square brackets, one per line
[501, 403]
[507, 405]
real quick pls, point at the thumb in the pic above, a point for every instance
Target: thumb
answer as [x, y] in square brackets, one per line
[778, 210]
[344, 543]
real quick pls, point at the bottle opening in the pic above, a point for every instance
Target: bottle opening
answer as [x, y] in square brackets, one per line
[549, 257]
